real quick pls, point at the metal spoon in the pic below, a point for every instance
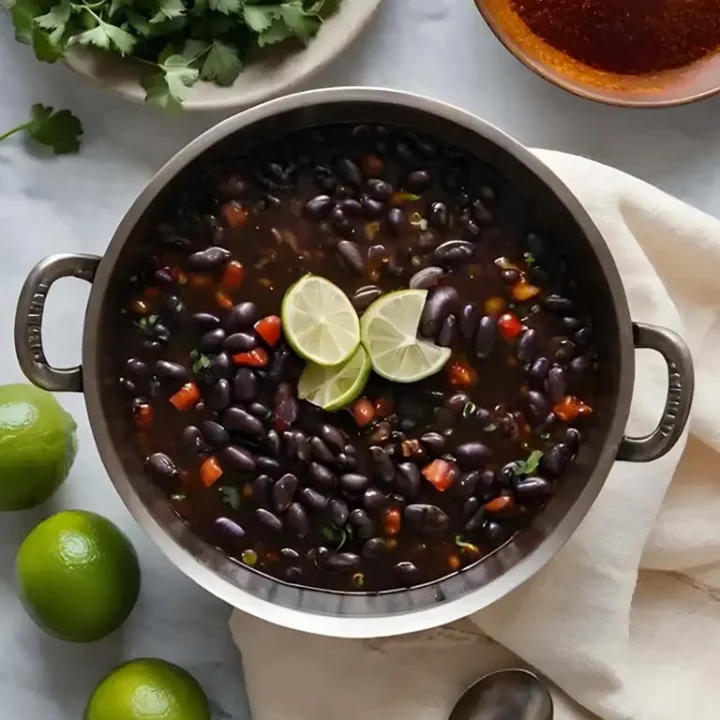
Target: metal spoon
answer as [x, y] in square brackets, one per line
[505, 695]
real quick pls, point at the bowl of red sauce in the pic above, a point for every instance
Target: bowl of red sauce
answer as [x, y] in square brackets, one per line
[634, 53]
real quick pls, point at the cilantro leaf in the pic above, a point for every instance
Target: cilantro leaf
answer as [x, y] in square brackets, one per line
[222, 64]
[226, 7]
[56, 18]
[23, 14]
[59, 130]
[302, 24]
[277, 32]
[108, 37]
[167, 86]
[232, 496]
[167, 10]
[259, 18]
[46, 46]
[529, 466]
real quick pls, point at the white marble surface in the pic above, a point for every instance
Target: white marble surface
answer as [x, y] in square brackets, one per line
[437, 47]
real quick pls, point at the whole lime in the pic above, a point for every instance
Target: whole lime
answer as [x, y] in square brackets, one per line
[148, 689]
[37, 446]
[78, 575]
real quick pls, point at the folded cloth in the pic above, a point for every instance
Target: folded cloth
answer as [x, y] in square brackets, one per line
[625, 620]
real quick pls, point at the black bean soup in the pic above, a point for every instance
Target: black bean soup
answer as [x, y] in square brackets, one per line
[411, 482]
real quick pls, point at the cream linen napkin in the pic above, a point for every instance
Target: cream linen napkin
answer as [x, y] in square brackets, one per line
[626, 618]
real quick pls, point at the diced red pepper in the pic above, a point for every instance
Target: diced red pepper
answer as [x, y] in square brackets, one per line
[140, 307]
[510, 326]
[210, 471]
[233, 275]
[372, 165]
[392, 521]
[197, 280]
[570, 408]
[255, 358]
[495, 305]
[223, 300]
[502, 503]
[269, 329]
[363, 411]
[383, 407]
[524, 291]
[440, 474]
[461, 374]
[186, 398]
[454, 562]
[235, 215]
[144, 415]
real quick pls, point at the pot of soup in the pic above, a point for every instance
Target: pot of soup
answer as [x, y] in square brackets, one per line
[357, 361]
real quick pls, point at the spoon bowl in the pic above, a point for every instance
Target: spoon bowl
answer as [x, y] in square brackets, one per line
[505, 695]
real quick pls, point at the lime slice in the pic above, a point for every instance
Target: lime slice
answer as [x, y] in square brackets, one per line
[332, 388]
[389, 333]
[320, 322]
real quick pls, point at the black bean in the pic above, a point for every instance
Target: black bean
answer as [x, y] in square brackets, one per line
[245, 386]
[128, 386]
[406, 572]
[466, 484]
[379, 189]
[418, 181]
[351, 207]
[570, 324]
[565, 351]
[382, 463]
[578, 368]
[338, 512]
[176, 306]
[259, 411]
[161, 466]
[167, 370]
[572, 438]
[230, 528]
[241, 317]
[485, 337]
[446, 336]
[324, 178]
[374, 548]
[297, 520]
[438, 216]
[557, 304]
[279, 366]
[362, 523]
[339, 221]
[408, 480]
[137, 368]
[427, 518]
[426, 278]
[283, 492]
[290, 553]
[319, 206]
[238, 459]
[536, 405]
[272, 443]
[341, 562]
[312, 499]
[457, 402]
[508, 475]
[472, 455]
[469, 321]
[320, 451]
[476, 521]
[236, 418]
[372, 208]
[381, 432]
[353, 483]
[396, 220]
[427, 241]
[404, 152]
[349, 172]
[215, 433]
[470, 507]
[205, 322]
[240, 342]
[212, 341]
[220, 366]
[373, 499]
[440, 302]
[527, 345]
[321, 478]
[351, 254]
[192, 438]
[268, 465]
[556, 383]
[234, 186]
[453, 252]
[555, 459]
[434, 441]
[494, 532]
[455, 176]
[533, 487]
[481, 213]
[365, 296]
[208, 259]
[219, 398]
[470, 228]
[269, 519]
[539, 369]
[332, 436]
[510, 276]
[289, 445]
[261, 489]
[302, 445]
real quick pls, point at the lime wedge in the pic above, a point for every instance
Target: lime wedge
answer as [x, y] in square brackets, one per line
[332, 388]
[389, 333]
[319, 321]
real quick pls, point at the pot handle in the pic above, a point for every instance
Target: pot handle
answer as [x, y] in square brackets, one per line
[29, 315]
[681, 384]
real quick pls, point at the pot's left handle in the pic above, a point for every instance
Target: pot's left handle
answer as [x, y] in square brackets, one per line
[28, 320]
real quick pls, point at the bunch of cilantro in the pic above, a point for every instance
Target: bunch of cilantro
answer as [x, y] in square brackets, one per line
[179, 41]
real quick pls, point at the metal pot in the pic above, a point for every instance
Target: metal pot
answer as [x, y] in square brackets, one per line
[392, 612]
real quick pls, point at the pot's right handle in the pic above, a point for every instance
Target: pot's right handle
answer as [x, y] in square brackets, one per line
[28, 320]
[681, 384]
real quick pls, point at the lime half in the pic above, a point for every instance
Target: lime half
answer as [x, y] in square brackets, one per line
[332, 388]
[320, 322]
[389, 334]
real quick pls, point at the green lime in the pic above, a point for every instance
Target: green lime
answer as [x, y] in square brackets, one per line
[319, 321]
[148, 689]
[332, 388]
[78, 575]
[389, 333]
[37, 446]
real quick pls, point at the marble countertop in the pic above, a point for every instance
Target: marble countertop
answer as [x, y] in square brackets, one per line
[437, 47]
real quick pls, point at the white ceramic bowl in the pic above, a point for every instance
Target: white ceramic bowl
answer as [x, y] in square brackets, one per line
[276, 73]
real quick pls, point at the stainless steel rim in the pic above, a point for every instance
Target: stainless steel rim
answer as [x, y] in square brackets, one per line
[327, 624]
